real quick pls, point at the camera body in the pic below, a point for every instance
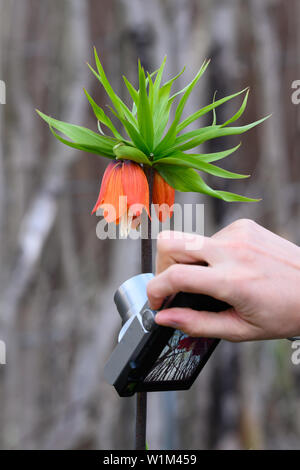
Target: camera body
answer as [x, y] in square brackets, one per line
[150, 357]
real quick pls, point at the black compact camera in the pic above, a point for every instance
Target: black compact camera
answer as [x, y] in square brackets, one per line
[150, 357]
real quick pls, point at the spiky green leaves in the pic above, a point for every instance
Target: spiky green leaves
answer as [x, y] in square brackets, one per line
[170, 136]
[81, 138]
[187, 179]
[144, 112]
[148, 141]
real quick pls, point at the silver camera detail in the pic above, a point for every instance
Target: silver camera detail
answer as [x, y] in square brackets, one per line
[130, 298]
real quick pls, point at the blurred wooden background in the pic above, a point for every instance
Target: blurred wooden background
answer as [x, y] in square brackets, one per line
[57, 279]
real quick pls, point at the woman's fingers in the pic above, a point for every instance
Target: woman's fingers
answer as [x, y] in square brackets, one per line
[186, 278]
[178, 247]
[224, 325]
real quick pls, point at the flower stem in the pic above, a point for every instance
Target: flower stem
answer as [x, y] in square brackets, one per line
[146, 267]
[146, 241]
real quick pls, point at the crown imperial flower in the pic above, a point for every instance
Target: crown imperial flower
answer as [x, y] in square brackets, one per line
[124, 193]
[148, 138]
[163, 197]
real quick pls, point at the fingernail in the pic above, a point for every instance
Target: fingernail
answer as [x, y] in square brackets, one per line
[153, 306]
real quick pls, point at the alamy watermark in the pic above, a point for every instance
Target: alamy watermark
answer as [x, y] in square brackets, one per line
[187, 218]
[295, 358]
[295, 97]
[2, 92]
[2, 353]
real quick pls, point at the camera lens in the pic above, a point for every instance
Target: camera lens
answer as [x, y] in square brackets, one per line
[132, 296]
[148, 321]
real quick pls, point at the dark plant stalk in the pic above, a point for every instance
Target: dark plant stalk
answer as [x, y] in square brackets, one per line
[146, 267]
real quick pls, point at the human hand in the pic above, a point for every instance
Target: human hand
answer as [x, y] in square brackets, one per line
[245, 265]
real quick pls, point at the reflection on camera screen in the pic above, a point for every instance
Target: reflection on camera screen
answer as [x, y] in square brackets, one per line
[179, 358]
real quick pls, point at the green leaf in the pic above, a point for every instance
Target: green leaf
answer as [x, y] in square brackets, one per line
[120, 107]
[188, 91]
[158, 79]
[161, 113]
[134, 95]
[130, 153]
[132, 91]
[240, 111]
[143, 111]
[133, 133]
[203, 157]
[232, 197]
[86, 148]
[189, 120]
[172, 80]
[196, 133]
[194, 162]
[208, 133]
[215, 156]
[152, 75]
[151, 92]
[101, 116]
[162, 108]
[171, 134]
[188, 180]
[183, 90]
[82, 136]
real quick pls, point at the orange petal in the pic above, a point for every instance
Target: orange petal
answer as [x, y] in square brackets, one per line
[164, 196]
[135, 186]
[114, 201]
[104, 184]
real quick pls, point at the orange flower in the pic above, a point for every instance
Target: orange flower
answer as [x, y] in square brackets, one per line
[163, 197]
[123, 194]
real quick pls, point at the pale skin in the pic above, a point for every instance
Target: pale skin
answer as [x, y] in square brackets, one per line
[245, 265]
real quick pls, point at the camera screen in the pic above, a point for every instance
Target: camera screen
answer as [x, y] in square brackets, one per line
[179, 358]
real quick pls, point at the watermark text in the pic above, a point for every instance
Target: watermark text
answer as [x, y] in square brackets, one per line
[296, 354]
[2, 92]
[187, 218]
[2, 353]
[296, 94]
